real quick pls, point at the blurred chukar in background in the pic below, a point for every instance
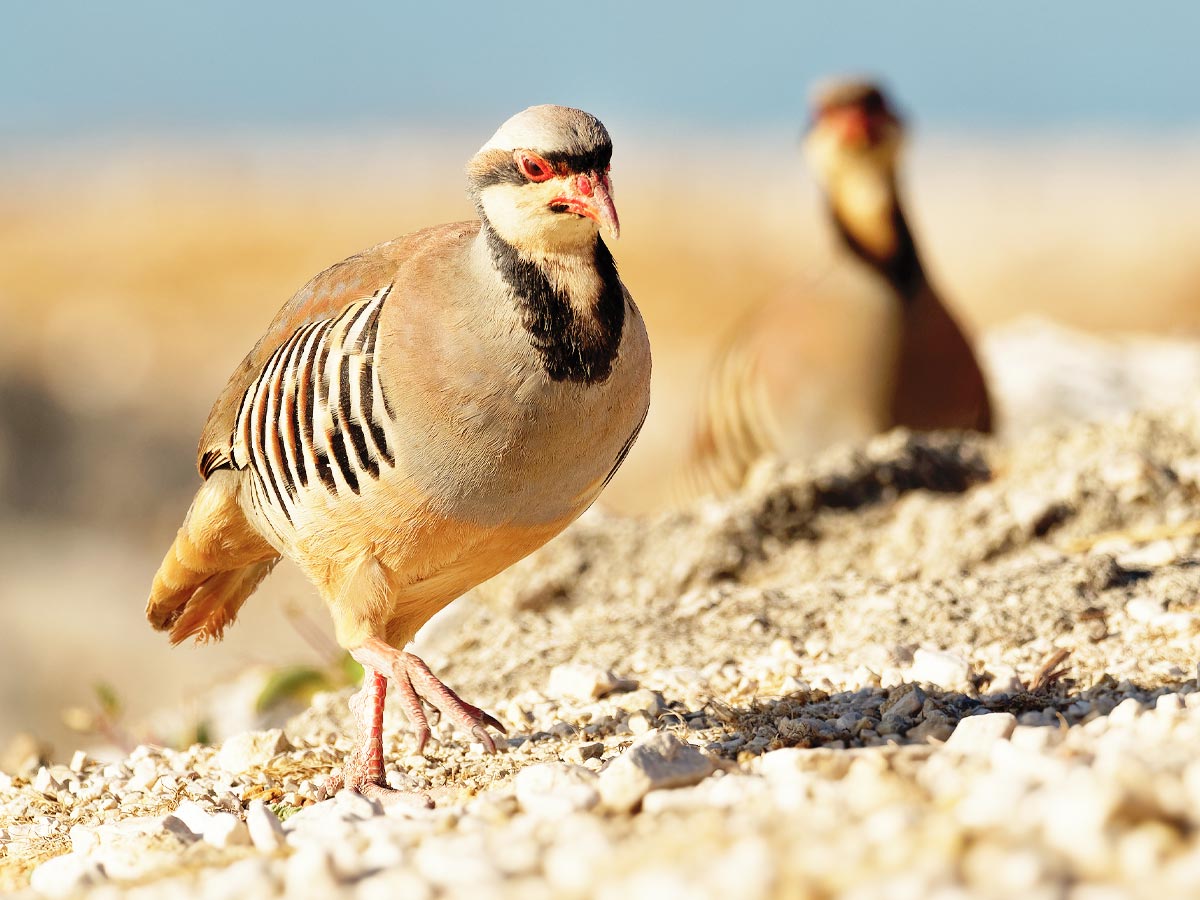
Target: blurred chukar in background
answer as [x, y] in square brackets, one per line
[421, 416]
[867, 347]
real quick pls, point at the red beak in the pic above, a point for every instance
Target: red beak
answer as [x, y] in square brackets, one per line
[590, 195]
[854, 126]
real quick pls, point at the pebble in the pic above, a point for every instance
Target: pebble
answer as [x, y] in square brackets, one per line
[656, 761]
[253, 749]
[145, 774]
[904, 702]
[555, 789]
[457, 861]
[977, 734]
[1169, 704]
[940, 667]
[127, 848]
[1144, 609]
[582, 681]
[193, 815]
[226, 830]
[309, 872]
[1004, 680]
[1125, 712]
[66, 875]
[45, 783]
[580, 753]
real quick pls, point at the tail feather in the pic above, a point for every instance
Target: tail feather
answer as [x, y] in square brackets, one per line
[214, 565]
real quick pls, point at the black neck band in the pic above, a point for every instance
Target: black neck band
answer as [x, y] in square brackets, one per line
[572, 346]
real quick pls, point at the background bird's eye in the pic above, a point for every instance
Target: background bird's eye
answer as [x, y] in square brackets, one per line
[533, 168]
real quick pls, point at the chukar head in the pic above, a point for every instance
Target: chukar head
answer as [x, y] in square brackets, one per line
[542, 183]
[853, 123]
[853, 145]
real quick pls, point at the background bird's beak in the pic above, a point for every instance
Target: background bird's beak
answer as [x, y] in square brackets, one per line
[853, 126]
[591, 196]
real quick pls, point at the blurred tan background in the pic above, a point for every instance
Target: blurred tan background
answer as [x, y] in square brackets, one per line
[169, 183]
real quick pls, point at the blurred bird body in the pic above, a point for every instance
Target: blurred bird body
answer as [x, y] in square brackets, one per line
[422, 415]
[865, 346]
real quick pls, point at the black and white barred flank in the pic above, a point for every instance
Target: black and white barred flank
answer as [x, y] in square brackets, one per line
[317, 417]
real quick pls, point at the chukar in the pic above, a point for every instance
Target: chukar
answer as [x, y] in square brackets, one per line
[422, 415]
[867, 346]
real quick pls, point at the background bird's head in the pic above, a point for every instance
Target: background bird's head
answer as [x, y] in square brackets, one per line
[853, 145]
[853, 124]
[542, 180]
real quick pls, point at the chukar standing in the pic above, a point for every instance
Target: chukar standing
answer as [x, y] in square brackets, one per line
[868, 346]
[421, 416]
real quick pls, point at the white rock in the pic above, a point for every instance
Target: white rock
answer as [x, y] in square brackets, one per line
[977, 734]
[1149, 556]
[658, 760]
[335, 816]
[580, 753]
[145, 774]
[639, 723]
[193, 815]
[64, 876]
[78, 761]
[392, 883]
[251, 877]
[457, 861]
[939, 667]
[1004, 680]
[1143, 609]
[1125, 712]
[555, 789]
[1169, 705]
[130, 847]
[266, 831]
[727, 792]
[1037, 738]
[309, 873]
[226, 830]
[45, 783]
[252, 749]
[641, 700]
[581, 681]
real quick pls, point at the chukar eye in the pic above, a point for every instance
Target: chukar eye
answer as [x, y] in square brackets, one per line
[533, 168]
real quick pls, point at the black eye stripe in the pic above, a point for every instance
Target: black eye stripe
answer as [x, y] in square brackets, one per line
[596, 160]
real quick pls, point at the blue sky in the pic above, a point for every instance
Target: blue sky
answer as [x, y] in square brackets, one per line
[216, 65]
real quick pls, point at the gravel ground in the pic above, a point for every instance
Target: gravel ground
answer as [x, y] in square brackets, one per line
[931, 667]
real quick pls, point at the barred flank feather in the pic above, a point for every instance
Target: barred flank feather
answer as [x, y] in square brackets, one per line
[732, 429]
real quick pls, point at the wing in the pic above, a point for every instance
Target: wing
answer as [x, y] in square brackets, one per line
[365, 276]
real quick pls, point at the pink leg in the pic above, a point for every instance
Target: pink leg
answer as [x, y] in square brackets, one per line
[363, 770]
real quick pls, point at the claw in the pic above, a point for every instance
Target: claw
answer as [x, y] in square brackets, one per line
[423, 735]
[480, 734]
[471, 719]
[491, 720]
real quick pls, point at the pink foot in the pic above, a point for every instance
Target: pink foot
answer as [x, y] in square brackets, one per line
[415, 683]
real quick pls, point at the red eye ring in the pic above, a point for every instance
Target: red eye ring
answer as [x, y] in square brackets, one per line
[533, 167]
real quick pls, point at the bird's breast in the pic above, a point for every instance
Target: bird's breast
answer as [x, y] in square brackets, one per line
[493, 439]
